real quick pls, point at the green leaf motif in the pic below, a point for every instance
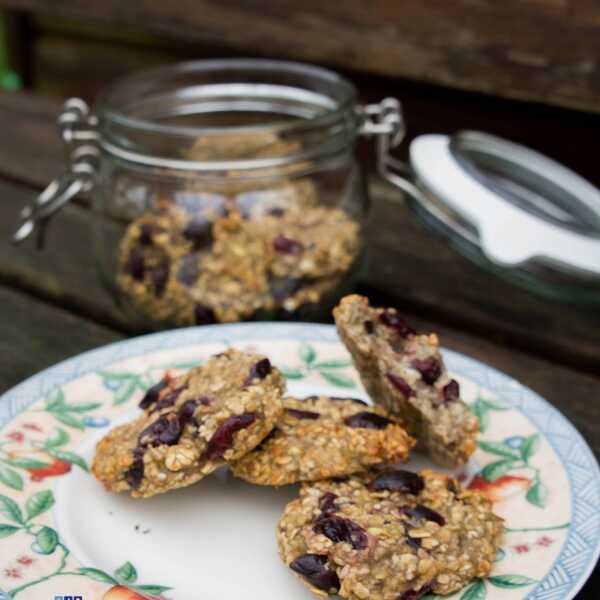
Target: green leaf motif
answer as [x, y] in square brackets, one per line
[55, 399]
[47, 540]
[537, 495]
[493, 404]
[126, 573]
[10, 509]
[82, 407]
[97, 575]
[497, 469]
[307, 353]
[338, 379]
[499, 449]
[333, 364]
[482, 414]
[152, 589]
[69, 420]
[291, 373]
[110, 375]
[60, 438]
[25, 463]
[39, 503]
[11, 478]
[511, 581]
[124, 393]
[476, 591]
[530, 446]
[69, 457]
[6, 530]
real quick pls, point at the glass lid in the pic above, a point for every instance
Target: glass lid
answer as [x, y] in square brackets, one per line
[520, 209]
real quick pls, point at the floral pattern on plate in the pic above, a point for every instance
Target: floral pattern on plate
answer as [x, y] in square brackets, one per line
[530, 461]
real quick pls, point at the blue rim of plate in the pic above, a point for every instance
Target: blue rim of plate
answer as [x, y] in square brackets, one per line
[581, 548]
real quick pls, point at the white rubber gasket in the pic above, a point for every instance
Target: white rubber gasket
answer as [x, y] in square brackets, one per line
[508, 235]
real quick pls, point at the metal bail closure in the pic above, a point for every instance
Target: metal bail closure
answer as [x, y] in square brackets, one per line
[77, 129]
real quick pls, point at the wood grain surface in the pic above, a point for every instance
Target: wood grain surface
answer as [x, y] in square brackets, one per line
[544, 50]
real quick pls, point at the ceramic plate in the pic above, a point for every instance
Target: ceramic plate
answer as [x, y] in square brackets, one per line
[62, 535]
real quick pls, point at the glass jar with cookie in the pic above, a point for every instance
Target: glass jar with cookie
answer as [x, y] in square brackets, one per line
[225, 190]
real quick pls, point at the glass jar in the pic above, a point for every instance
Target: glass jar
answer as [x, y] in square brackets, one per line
[229, 190]
[226, 190]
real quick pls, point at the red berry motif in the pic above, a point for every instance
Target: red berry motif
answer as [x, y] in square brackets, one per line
[502, 488]
[121, 592]
[54, 469]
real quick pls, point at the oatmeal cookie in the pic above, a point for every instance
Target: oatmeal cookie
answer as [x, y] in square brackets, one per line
[191, 425]
[312, 243]
[394, 535]
[155, 251]
[322, 437]
[405, 373]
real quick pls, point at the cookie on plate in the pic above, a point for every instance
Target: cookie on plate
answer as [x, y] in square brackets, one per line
[405, 373]
[191, 425]
[322, 437]
[394, 535]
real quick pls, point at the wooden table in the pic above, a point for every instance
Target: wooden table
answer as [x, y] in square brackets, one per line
[54, 306]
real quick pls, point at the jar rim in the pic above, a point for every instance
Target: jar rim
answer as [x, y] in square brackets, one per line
[106, 108]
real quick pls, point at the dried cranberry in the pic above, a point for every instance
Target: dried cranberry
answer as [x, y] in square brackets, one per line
[420, 512]
[159, 276]
[186, 412]
[451, 391]
[276, 212]
[338, 399]
[395, 321]
[222, 438]
[369, 327]
[260, 369]
[199, 232]
[400, 384]
[134, 265]
[287, 245]
[398, 480]
[339, 530]
[204, 315]
[168, 399]
[367, 420]
[430, 369]
[284, 287]
[327, 503]
[188, 271]
[151, 396]
[414, 543]
[135, 473]
[416, 594]
[165, 430]
[302, 414]
[205, 400]
[315, 569]
[146, 233]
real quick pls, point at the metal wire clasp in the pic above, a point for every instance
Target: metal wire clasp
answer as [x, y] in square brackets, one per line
[78, 130]
[385, 120]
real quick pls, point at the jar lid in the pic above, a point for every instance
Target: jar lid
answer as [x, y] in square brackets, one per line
[516, 205]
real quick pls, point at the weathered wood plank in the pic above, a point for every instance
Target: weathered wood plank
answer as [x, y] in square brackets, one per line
[538, 50]
[65, 272]
[420, 271]
[36, 335]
